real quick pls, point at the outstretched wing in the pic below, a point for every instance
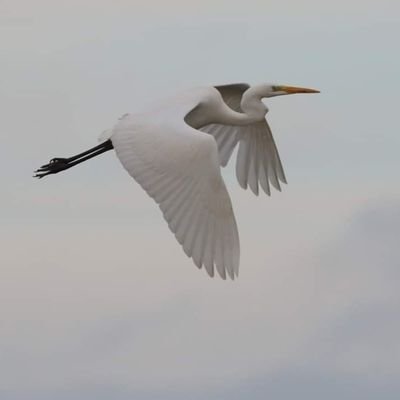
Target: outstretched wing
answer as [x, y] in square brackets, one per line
[258, 162]
[178, 167]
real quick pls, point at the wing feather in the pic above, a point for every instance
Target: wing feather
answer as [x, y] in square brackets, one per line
[258, 162]
[179, 168]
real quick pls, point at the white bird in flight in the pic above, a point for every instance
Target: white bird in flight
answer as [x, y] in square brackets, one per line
[174, 151]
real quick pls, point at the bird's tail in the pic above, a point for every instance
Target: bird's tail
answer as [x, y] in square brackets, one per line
[106, 135]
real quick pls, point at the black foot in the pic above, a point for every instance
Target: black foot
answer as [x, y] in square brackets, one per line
[55, 165]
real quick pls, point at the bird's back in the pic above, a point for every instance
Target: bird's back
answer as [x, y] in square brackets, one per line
[196, 107]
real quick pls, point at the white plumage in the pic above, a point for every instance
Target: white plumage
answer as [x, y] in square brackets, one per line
[174, 151]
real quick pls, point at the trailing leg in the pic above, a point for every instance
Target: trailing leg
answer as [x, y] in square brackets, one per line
[60, 164]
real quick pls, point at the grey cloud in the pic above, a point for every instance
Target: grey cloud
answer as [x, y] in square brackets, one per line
[359, 298]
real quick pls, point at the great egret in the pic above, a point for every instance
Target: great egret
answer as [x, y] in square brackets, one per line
[174, 151]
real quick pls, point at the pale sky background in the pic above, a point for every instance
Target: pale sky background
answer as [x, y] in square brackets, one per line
[97, 300]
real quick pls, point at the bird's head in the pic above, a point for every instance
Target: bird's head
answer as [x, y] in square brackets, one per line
[280, 90]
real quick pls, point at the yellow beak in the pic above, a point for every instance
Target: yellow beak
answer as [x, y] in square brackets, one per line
[293, 89]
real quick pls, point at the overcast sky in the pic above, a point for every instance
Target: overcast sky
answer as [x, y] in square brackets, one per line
[97, 300]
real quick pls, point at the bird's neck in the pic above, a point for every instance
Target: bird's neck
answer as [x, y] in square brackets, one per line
[252, 104]
[253, 109]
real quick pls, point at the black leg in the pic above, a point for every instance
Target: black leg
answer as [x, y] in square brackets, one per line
[60, 164]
